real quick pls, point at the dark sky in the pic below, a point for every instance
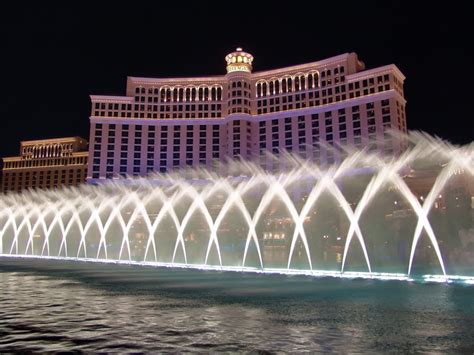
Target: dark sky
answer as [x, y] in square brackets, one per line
[55, 56]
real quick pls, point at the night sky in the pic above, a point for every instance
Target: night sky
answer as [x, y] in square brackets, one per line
[55, 56]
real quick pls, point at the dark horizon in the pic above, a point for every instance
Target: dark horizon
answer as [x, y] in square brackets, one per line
[55, 57]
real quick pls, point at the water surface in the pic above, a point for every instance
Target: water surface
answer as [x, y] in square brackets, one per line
[67, 306]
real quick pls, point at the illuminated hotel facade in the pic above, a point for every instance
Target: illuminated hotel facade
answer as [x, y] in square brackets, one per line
[46, 164]
[312, 110]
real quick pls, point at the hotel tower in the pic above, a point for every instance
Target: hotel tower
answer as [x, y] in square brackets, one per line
[312, 110]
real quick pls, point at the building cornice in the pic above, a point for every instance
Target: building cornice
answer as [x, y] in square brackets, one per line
[375, 71]
[84, 153]
[210, 80]
[53, 141]
[111, 99]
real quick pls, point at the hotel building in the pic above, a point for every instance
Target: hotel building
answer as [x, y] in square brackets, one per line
[312, 110]
[46, 163]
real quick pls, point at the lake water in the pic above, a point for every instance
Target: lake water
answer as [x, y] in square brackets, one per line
[69, 306]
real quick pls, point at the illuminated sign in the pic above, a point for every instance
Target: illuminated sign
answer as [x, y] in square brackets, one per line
[237, 67]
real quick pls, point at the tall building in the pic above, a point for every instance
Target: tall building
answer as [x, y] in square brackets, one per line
[46, 163]
[311, 109]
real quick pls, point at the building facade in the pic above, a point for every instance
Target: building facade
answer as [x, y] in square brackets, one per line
[311, 110]
[47, 163]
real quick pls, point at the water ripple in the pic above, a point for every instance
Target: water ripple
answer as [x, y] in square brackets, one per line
[47, 310]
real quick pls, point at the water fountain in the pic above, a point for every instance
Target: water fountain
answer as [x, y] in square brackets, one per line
[369, 216]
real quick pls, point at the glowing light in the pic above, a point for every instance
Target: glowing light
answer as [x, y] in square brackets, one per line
[234, 68]
[383, 276]
[72, 224]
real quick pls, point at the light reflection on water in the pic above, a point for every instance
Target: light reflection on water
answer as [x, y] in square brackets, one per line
[51, 306]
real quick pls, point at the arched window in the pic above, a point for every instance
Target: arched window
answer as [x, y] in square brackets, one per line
[213, 94]
[143, 90]
[219, 93]
[297, 83]
[284, 85]
[259, 89]
[290, 85]
[316, 80]
[239, 84]
[277, 86]
[193, 94]
[264, 89]
[302, 83]
[187, 93]
[206, 94]
[181, 94]
[162, 94]
[155, 91]
[137, 90]
[271, 88]
[175, 94]
[200, 93]
[310, 81]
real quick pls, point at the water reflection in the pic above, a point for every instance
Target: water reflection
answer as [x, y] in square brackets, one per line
[105, 308]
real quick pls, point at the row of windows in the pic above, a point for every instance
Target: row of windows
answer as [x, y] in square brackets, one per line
[287, 84]
[300, 100]
[264, 105]
[45, 162]
[180, 111]
[42, 179]
[299, 82]
[47, 150]
[180, 94]
[42, 173]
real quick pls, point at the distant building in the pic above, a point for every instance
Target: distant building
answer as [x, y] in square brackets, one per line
[46, 163]
[310, 109]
